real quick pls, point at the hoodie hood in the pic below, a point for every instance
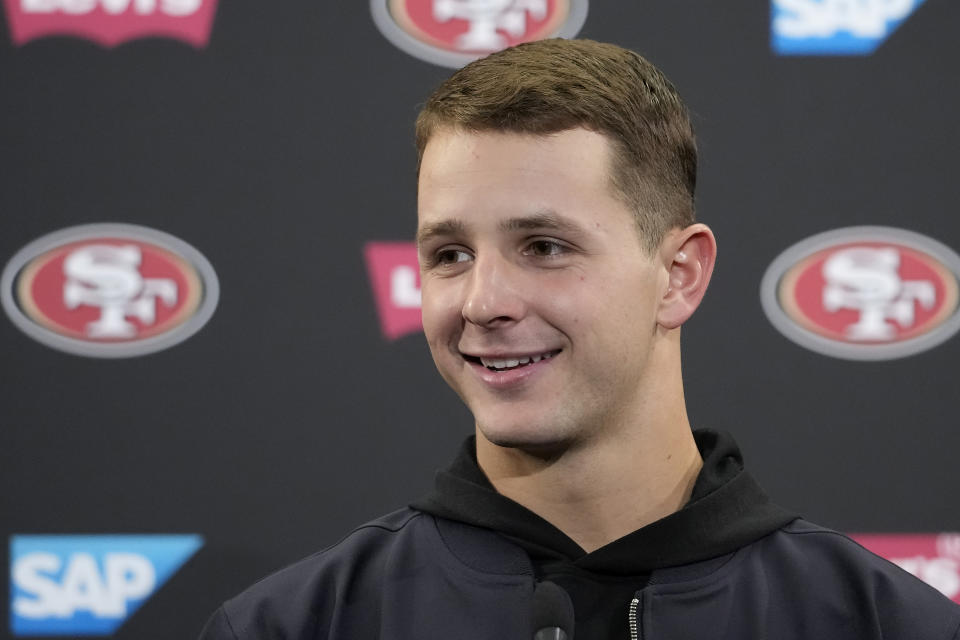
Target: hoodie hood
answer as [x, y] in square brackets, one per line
[727, 510]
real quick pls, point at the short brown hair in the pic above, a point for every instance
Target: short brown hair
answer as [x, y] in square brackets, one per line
[554, 85]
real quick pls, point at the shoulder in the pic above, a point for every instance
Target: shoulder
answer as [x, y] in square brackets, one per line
[830, 552]
[838, 578]
[290, 602]
[366, 544]
[398, 570]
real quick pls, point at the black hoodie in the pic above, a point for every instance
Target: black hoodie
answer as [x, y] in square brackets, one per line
[727, 510]
[467, 563]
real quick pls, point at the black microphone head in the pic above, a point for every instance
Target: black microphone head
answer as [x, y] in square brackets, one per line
[552, 612]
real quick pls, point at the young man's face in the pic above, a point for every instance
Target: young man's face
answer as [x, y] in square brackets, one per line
[539, 303]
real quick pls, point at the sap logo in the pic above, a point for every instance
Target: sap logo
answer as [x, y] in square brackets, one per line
[395, 277]
[125, 577]
[88, 585]
[835, 27]
[110, 22]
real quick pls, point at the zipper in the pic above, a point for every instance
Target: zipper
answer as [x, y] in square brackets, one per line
[632, 616]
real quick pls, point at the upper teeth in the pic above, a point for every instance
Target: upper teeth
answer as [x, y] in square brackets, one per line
[514, 362]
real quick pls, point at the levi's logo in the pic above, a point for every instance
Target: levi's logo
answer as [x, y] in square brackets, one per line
[395, 278]
[934, 558]
[111, 22]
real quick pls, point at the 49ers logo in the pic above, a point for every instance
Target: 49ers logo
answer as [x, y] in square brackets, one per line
[109, 290]
[864, 293]
[110, 22]
[454, 32]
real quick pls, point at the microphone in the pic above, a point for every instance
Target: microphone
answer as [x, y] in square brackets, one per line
[552, 612]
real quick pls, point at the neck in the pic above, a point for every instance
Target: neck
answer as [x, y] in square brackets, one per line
[610, 484]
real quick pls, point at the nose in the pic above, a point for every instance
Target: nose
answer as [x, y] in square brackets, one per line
[493, 296]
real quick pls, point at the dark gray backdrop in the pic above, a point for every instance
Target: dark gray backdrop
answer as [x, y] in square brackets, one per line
[286, 144]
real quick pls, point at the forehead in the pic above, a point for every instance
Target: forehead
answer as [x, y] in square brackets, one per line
[463, 174]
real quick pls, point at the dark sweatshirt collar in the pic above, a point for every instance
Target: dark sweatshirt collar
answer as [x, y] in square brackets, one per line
[726, 511]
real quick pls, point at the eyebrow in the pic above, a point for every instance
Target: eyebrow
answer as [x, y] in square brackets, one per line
[546, 219]
[442, 228]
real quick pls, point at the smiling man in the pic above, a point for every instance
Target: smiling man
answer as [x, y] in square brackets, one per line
[545, 310]
[559, 258]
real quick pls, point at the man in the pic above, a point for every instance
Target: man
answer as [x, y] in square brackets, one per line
[559, 258]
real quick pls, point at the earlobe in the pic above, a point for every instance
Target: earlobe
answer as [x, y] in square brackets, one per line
[688, 255]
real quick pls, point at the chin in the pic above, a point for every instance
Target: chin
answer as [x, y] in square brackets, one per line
[527, 437]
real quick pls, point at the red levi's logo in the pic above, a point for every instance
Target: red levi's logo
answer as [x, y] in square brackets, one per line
[111, 22]
[934, 558]
[865, 293]
[395, 277]
[454, 32]
[109, 290]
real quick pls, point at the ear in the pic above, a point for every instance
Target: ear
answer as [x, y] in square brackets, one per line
[688, 256]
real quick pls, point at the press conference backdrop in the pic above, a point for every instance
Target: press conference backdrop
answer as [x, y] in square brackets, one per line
[211, 357]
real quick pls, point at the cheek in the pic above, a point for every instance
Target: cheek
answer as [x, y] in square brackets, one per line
[439, 313]
[615, 307]
[578, 294]
[569, 304]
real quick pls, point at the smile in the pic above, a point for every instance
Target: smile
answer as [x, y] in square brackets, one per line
[507, 364]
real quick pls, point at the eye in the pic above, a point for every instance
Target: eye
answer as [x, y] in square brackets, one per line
[545, 248]
[451, 256]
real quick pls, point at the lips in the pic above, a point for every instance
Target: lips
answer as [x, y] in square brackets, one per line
[510, 362]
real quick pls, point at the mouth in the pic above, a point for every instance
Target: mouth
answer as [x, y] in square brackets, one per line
[509, 363]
